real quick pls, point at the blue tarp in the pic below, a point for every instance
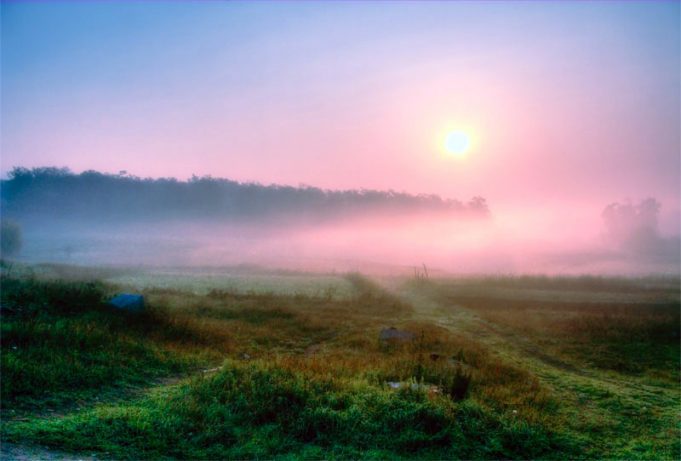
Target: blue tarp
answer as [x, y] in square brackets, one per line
[128, 302]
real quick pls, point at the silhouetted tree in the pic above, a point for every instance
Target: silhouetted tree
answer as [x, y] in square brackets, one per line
[10, 238]
[633, 228]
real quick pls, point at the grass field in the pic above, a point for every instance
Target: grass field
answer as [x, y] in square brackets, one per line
[234, 364]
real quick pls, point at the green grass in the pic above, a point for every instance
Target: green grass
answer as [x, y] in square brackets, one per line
[584, 283]
[541, 374]
[610, 355]
[59, 340]
[267, 410]
[635, 335]
[235, 281]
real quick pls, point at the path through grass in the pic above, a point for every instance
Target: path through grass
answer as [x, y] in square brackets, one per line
[615, 415]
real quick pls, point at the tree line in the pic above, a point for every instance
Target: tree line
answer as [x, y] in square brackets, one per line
[60, 193]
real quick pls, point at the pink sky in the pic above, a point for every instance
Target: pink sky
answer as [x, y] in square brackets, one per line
[572, 106]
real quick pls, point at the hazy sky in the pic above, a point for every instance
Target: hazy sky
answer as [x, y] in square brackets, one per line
[575, 104]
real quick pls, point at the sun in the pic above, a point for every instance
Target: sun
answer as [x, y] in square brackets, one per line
[457, 139]
[457, 142]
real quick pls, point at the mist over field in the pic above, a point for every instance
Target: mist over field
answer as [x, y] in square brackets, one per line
[97, 218]
[349, 230]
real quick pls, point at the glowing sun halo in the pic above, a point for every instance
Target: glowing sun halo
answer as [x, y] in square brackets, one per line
[457, 143]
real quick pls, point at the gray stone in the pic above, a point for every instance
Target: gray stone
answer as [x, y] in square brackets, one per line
[128, 302]
[393, 334]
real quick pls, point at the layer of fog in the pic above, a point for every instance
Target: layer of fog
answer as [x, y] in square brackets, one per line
[626, 240]
[98, 219]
